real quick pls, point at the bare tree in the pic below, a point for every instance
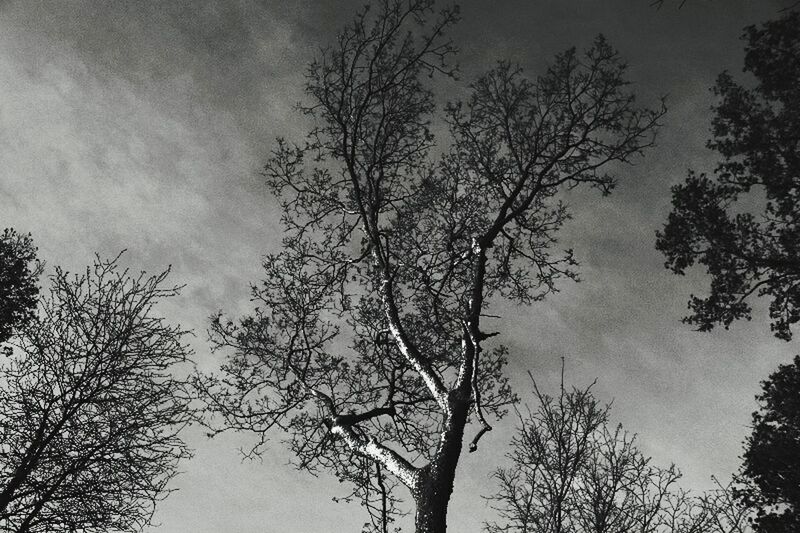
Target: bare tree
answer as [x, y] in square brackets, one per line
[571, 472]
[89, 411]
[368, 344]
[550, 451]
[724, 511]
[740, 223]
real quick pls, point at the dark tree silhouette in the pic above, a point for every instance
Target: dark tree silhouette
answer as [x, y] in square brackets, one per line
[743, 224]
[89, 413]
[369, 343]
[19, 272]
[572, 472]
[772, 454]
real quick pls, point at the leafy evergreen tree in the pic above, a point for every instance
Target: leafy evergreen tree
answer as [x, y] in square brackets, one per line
[19, 271]
[743, 223]
[772, 453]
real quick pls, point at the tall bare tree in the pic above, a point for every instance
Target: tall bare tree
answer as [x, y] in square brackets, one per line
[740, 224]
[724, 512]
[770, 474]
[368, 343]
[89, 410]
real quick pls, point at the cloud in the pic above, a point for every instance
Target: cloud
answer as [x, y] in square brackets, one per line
[142, 125]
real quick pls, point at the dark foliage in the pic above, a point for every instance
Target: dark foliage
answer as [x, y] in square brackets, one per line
[772, 454]
[743, 224]
[19, 272]
[89, 410]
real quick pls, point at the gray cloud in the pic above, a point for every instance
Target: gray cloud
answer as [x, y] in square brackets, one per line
[142, 125]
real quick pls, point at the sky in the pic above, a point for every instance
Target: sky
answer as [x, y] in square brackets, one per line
[142, 125]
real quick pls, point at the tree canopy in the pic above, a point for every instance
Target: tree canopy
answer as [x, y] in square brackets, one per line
[369, 345]
[743, 222]
[19, 272]
[89, 407]
[772, 453]
[570, 470]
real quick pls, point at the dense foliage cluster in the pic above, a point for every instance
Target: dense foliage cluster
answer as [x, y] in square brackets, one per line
[772, 454]
[743, 223]
[19, 272]
[370, 343]
[571, 471]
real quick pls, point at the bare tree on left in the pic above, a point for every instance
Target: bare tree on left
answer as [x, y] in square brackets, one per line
[90, 412]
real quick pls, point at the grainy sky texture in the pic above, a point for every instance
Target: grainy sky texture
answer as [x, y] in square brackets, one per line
[142, 124]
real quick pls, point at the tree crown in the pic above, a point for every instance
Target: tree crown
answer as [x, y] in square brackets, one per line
[366, 345]
[747, 252]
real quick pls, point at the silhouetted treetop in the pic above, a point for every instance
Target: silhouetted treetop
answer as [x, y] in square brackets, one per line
[89, 407]
[368, 344]
[743, 223]
[570, 471]
[772, 453]
[19, 272]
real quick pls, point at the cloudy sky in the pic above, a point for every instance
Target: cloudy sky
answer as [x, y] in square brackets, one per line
[142, 125]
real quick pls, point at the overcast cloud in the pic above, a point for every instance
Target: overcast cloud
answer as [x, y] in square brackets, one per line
[143, 125]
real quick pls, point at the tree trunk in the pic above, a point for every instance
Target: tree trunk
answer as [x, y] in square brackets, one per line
[435, 482]
[431, 515]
